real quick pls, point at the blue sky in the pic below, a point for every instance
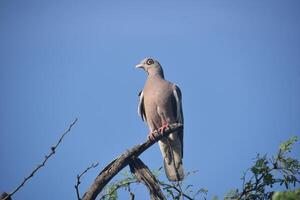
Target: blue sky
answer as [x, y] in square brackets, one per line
[236, 62]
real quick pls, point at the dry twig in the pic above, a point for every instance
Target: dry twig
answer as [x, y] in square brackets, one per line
[52, 152]
[179, 190]
[94, 165]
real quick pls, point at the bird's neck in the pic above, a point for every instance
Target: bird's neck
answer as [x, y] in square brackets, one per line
[158, 73]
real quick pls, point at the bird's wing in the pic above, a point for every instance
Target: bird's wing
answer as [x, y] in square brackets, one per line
[177, 107]
[141, 106]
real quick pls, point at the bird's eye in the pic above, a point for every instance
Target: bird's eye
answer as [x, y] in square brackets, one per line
[150, 61]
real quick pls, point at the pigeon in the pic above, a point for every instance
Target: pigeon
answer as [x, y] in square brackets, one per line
[160, 105]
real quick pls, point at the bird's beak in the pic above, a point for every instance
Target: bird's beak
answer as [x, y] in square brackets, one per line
[139, 66]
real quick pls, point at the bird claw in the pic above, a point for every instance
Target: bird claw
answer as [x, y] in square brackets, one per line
[151, 136]
[164, 126]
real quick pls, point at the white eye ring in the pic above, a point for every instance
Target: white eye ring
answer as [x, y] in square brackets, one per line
[149, 61]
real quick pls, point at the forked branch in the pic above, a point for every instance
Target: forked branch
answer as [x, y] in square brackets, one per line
[144, 175]
[123, 160]
[78, 181]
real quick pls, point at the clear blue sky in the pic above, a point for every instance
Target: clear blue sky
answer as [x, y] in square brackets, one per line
[236, 62]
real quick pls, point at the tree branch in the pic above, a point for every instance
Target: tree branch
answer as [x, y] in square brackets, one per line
[79, 176]
[52, 152]
[144, 175]
[123, 160]
[5, 196]
[168, 186]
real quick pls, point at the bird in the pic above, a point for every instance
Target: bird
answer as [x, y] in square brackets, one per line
[160, 104]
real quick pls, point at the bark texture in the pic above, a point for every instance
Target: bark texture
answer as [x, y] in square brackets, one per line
[145, 176]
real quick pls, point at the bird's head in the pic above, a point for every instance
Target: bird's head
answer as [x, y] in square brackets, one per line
[151, 66]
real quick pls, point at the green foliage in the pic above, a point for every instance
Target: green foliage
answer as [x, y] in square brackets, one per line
[258, 180]
[267, 172]
[288, 195]
[176, 191]
[287, 146]
[171, 190]
[111, 190]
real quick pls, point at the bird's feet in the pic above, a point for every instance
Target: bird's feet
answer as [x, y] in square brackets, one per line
[151, 136]
[164, 126]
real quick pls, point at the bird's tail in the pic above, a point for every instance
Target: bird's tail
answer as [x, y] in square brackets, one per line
[174, 168]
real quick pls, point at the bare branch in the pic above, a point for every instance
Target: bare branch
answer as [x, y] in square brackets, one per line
[52, 152]
[132, 196]
[144, 175]
[123, 160]
[94, 165]
[6, 196]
